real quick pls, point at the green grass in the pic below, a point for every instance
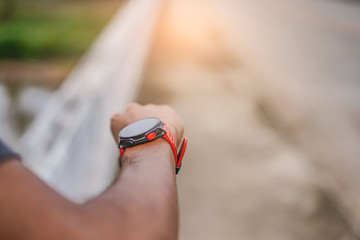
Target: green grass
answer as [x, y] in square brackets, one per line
[52, 29]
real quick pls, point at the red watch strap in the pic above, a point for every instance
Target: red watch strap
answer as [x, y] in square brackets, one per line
[121, 152]
[170, 138]
[181, 152]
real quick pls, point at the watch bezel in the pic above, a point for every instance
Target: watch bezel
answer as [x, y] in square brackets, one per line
[141, 138]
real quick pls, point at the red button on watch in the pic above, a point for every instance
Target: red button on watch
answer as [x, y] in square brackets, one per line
[147, 130]
[151, 136]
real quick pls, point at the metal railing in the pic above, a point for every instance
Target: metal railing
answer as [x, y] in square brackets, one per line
[69, 144]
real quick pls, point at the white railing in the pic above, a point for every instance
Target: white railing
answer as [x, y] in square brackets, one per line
[69, 144]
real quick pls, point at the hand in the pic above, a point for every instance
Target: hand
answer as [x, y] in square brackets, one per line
[135, 112]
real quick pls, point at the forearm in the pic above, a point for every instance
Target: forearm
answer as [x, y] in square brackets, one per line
[32, 210]
[142, 204]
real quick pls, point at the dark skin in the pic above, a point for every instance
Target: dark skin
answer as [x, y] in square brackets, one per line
[141, 204]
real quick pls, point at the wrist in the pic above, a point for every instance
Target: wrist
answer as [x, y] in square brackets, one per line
[157, 151]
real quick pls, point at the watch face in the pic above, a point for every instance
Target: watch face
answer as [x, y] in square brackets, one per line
[139, 127]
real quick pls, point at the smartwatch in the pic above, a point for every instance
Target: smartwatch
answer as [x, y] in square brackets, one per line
[147, 130]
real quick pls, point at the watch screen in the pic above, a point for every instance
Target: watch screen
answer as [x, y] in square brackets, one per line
[139, 127]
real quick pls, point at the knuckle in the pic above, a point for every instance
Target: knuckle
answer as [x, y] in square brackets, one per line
[167, 107]
[132, 106]
[150, 105]
[115, 116]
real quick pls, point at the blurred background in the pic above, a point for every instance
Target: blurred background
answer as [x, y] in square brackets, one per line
[269, 93]
[40, 42]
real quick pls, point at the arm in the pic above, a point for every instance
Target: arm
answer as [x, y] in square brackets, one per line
[141, 204]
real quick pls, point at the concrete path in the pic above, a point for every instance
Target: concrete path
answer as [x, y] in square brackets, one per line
[306, 57]
[240, 179]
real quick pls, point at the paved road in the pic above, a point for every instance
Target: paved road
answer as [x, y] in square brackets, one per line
[306, 57]
[241, 178]
[314, 45]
